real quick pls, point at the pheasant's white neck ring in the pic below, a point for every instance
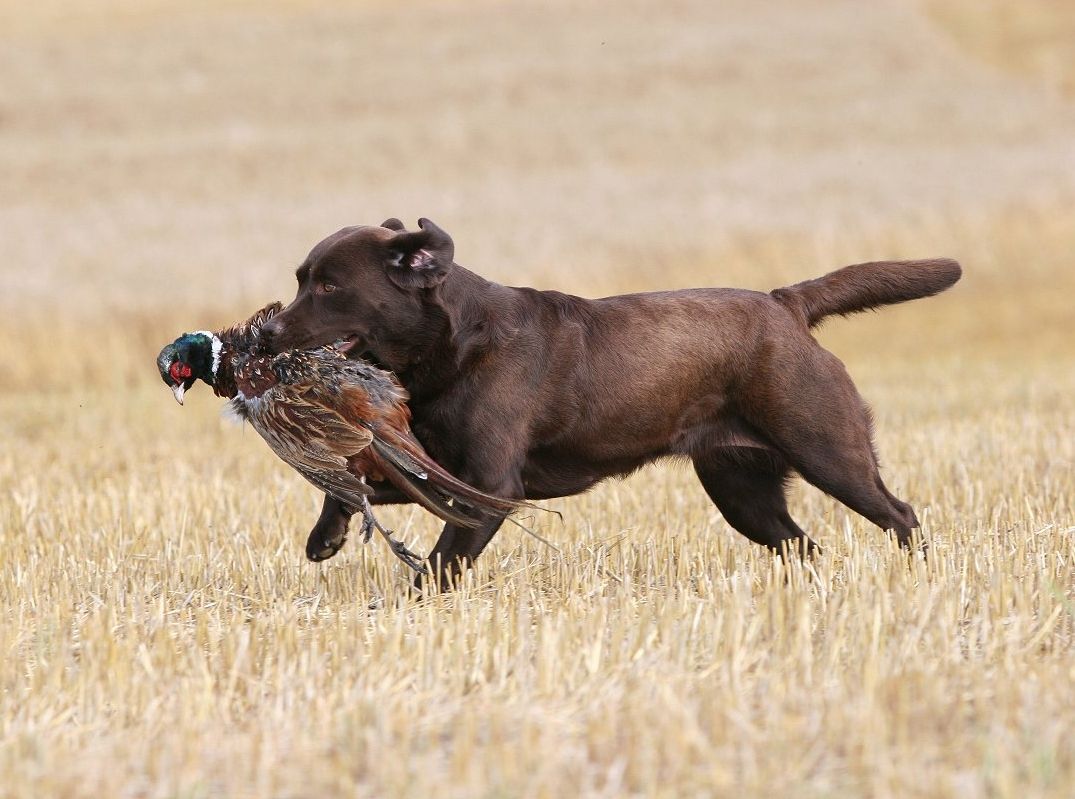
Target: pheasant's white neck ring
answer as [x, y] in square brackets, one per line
[218, 345]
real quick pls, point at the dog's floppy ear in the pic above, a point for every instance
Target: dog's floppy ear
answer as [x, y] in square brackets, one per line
[420, 258]
[393, 224]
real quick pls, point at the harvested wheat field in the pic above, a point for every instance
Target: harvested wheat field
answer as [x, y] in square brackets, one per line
[164, 167]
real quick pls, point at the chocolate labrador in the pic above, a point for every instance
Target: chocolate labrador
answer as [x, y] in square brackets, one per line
[538, 394]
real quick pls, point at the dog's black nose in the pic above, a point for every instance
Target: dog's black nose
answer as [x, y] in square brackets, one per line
[269, 331]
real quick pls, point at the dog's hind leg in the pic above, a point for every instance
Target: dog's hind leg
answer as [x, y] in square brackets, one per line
[852, 478]
[747, 486]
[822, 427]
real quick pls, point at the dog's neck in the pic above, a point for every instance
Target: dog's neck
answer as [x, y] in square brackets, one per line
[462, 316]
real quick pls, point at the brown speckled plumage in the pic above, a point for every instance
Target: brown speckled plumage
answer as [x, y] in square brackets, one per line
[338, 422]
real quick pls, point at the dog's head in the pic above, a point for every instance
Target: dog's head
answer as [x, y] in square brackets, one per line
[366, 285]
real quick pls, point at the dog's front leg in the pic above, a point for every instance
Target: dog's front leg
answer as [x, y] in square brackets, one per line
[330, 531]
[456, 550]
[459, 546]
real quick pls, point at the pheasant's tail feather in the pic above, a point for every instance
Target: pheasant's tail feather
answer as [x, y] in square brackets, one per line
[423, 473]
[400, 458]
[419, 490]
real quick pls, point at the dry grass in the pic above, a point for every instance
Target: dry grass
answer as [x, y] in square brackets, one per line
[1032, 38]
[161, 634]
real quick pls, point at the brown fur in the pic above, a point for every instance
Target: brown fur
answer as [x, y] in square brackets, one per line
[538, 394]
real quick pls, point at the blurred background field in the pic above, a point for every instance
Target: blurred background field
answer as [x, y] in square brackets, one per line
[164, 167]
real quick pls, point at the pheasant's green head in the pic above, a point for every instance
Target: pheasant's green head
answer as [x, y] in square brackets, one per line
[191, 357]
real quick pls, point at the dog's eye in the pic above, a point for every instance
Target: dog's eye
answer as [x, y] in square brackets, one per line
[326, 288]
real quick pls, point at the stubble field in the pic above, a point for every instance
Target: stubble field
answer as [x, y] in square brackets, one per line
[164, 169]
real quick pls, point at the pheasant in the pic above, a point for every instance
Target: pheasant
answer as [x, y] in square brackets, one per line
[335, 420]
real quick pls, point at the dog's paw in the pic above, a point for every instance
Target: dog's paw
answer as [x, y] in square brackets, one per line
[320, 547]
[322, 552]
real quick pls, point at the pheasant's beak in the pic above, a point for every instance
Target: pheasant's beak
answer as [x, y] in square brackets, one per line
[179, 390]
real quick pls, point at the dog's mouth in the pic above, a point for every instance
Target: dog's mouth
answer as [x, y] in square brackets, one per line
[347, 345]
[356, 349]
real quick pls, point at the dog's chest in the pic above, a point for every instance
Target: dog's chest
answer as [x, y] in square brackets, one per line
[433, 429]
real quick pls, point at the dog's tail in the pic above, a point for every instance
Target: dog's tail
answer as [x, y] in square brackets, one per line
[862, 287]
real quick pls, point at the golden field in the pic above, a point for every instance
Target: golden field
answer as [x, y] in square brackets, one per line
[164, 167]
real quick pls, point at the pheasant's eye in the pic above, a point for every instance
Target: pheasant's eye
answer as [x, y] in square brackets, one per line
[179, 371]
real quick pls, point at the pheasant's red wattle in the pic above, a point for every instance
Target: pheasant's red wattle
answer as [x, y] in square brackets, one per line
[179, 371]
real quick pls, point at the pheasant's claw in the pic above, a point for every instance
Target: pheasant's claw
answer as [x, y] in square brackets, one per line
[399, 549]
[411, 559]
[368, 523]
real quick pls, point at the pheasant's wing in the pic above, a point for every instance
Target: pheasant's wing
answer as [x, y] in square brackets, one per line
[313, 437]
[371, 398]
[322, 423]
